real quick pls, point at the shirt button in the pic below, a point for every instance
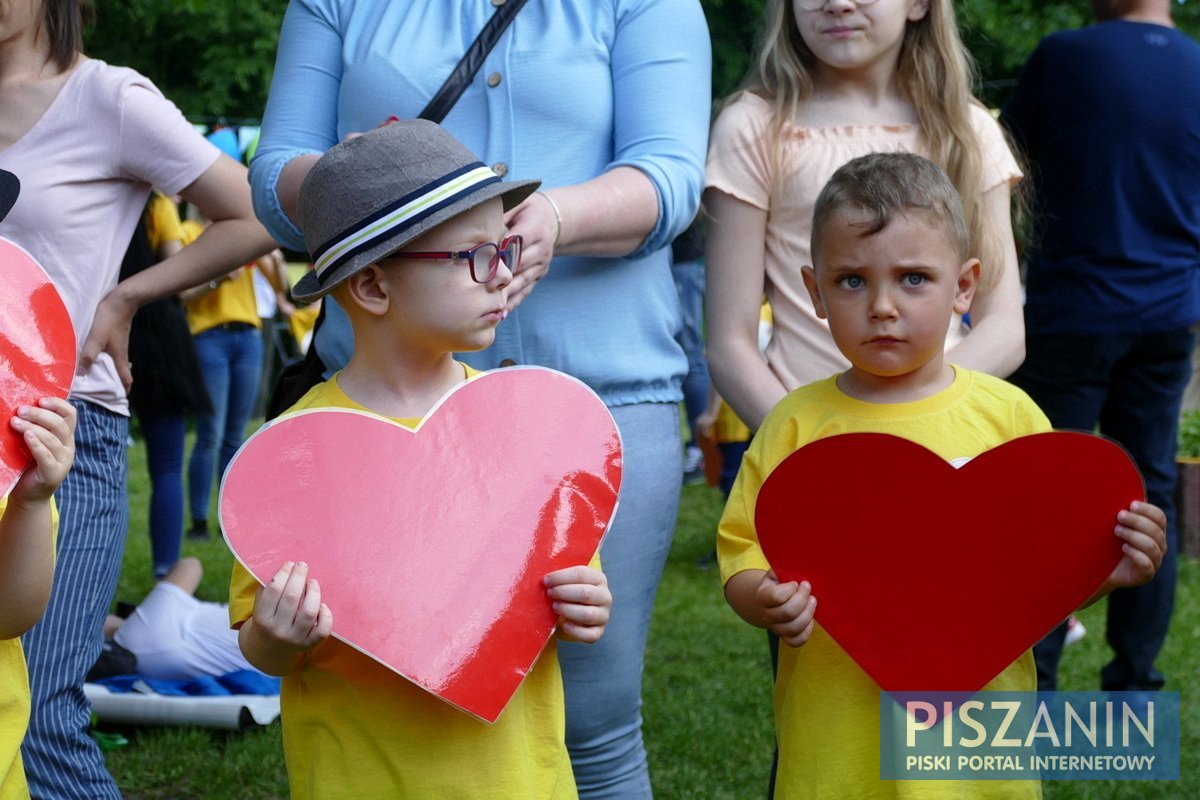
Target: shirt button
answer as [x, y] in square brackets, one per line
[493, 80]
[499, 2]
[500, 168]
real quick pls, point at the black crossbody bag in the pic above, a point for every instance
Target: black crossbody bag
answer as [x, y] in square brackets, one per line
[296, 379]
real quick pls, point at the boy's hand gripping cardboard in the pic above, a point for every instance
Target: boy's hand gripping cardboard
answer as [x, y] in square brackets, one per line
[37, 349]
[430, 546]
[934, 578]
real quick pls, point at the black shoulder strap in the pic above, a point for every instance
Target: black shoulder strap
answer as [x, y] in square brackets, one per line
[301, 376]
[464, 72]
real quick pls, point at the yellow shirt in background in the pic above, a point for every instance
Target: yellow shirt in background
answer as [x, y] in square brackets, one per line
[232, 301]
[162, 222]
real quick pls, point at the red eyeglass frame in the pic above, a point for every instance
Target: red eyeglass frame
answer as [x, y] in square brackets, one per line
[469, 255]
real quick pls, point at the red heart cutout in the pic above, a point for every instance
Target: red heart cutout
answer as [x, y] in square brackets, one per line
[37, 350]
[430, 545]
[934, 578]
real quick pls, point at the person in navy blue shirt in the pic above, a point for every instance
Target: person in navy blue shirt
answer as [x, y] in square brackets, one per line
[1109, 116]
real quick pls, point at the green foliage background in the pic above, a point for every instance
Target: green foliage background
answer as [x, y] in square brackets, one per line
[211, 57]
[214, 57]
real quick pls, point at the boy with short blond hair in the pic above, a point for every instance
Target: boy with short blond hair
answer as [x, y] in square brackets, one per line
[406, 228]
[890, 269]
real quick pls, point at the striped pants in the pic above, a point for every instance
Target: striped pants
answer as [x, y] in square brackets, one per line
[61, 759]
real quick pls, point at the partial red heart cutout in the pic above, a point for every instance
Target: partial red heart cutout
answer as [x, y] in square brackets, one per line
[934, 578]
[430, 546]
[37, 350]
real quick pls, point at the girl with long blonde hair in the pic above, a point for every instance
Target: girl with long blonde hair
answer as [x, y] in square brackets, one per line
[835, 79]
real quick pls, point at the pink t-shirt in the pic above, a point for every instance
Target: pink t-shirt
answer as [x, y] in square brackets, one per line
[86, 168]
[801, 349]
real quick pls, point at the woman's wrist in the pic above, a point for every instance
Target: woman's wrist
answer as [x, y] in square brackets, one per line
[557, 216]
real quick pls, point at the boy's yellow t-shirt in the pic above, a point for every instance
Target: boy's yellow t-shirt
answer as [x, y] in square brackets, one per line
[14, 703]
[353, 728]
[826, 707]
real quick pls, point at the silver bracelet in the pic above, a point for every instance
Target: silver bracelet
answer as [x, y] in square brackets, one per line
[557, 217]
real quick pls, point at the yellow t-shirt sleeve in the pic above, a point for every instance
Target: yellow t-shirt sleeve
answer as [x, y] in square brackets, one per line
[242, 590]
[737, 540]
[163, 222]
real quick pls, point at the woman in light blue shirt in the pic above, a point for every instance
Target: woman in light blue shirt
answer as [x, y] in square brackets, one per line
[607, 102]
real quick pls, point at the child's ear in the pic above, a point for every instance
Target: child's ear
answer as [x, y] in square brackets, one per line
[368, 290]
[968, 282]
[917, 9]
[810, 282]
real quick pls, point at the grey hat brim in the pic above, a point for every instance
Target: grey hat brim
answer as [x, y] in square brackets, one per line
[310, 287]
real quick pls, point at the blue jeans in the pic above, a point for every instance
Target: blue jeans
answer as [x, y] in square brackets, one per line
[731, 463]
[164, 437]
[689, 283]
[1131, 386]
[603, 682]
[231, 363]
[61, 759]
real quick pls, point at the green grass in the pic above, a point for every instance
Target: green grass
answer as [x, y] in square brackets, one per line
[707, 687]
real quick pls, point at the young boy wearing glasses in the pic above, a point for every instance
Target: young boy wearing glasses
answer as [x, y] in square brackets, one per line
[406, 229]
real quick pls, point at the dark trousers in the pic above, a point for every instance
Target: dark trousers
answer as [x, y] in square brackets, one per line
[1131, 387]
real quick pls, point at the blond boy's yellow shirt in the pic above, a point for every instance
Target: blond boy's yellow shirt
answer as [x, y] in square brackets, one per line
[826, 707]
[14, 702]
[353, 728]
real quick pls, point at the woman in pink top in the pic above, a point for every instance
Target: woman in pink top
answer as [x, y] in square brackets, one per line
[838, 79]
[87, 140]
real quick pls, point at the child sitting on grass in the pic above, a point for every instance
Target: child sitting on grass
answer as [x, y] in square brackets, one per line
[406, 228]
[28, 524]
[890, 268]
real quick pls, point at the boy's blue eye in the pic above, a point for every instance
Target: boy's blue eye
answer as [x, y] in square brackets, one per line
[851, 282]
[913, 279]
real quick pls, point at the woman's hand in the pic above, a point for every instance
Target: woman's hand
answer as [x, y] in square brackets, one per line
[536, 221]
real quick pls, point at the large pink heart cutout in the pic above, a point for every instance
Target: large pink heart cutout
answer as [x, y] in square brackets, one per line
[37, 350]
[934, 578]
[430, 545]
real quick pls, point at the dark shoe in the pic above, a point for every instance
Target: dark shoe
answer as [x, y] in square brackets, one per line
[199, 529]
[113, 660]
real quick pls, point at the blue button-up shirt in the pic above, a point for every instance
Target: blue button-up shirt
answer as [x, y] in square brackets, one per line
[573, 88]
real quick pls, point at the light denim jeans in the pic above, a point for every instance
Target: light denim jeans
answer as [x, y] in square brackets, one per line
[603, 681]
[231, 363]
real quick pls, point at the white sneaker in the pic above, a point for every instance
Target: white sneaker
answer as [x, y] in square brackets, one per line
[1075, 630]
[693, 464]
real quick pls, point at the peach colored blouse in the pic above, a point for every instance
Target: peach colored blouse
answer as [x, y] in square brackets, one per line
[801, 349]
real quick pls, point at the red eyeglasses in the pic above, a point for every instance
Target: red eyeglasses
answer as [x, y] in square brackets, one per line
[484, 258]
